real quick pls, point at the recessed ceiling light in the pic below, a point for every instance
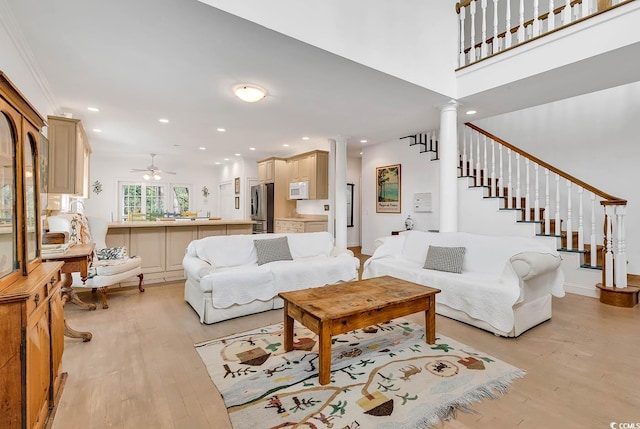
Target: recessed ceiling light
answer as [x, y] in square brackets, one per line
[226, 159]
[217, 162]
[164, 121]
[471, 112]
[360, 153]
[363, 141]
[237, 154]
[305, 138]
[93, 109]
[249, 93]
[252, 148]
[202, 148]
[222, 130]
[285, 145]
[97, 130]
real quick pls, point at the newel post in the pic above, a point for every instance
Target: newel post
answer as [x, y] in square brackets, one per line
[620, 271]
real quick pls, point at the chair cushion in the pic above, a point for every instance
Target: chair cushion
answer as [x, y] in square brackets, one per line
[110, 267]
[111, 253]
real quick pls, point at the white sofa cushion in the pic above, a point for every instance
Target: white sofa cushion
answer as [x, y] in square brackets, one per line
[225, 250]
[109, 267]
[310, 244]
[305, 273]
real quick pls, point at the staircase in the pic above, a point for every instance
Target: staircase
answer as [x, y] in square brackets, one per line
[533, 198]
[540, 200]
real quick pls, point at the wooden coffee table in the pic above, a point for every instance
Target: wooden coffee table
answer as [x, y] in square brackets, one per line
[344, 307]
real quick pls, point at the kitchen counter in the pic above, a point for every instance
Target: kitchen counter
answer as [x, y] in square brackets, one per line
[179, 222]
[310, 218]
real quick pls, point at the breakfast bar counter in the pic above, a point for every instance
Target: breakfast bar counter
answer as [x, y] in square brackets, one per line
[162, 243]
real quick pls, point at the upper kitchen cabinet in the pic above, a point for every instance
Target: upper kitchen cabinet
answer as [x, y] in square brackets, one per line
[267, 169]
[312, 167]
[69, 153]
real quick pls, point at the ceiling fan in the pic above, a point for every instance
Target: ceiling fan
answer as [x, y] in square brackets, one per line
[151, 172]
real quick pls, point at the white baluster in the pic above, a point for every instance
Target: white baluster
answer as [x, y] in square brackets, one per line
[536, 202]
[470, 166]
[536, 21]
[510, 186]
[585, 8]
[485, 165]
[556, 228]
[608, 246]
[478, 180]
[496, 42]
[507, 35]
[463, 167]
[462, 61]
[580, 221]
[472, 17]
[501, 178]
[521, 23]
[547, 207]
[527, 194]
[593, 251]
[551, 19]
[569, 218]
[518, 195]
[621, 256]
[492, 180]
[483, 46]
[566, 13]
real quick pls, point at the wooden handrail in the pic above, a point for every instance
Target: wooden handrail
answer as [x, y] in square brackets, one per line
[611, 200]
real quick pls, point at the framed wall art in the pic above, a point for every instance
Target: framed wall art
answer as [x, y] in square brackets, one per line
[237, 203]
[388, 189]
[236, 183]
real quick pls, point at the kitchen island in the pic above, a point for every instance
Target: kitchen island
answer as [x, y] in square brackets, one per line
[162, 243]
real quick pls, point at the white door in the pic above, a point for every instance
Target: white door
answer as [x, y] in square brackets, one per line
[227, 201]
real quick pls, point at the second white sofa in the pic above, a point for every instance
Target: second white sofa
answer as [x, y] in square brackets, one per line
[225, 281]
[504, 285]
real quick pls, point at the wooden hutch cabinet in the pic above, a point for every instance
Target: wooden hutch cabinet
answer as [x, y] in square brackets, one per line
[31, 317]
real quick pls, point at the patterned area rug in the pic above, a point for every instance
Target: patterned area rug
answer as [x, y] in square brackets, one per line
[383, 376]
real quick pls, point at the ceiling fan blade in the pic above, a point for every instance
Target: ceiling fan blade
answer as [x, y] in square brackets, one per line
[137, 170]
[165, 171]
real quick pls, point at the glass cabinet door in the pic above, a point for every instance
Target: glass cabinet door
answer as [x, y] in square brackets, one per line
[8, 231]
[31, 198]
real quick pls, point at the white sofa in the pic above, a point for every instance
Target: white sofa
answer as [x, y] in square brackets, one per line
[224, 279]
[505, 286]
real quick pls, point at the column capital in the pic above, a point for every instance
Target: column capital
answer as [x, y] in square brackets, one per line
[340, 138]
[451, 105]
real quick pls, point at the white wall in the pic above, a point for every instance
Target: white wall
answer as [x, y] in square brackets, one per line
[394, 37]
[418, 174]
[245, 169]
[593, 137]
[354, 175]
[109, 169]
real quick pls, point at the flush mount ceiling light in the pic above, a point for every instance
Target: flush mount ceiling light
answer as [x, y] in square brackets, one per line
[471, 112]
[93, 109]
[249, 93]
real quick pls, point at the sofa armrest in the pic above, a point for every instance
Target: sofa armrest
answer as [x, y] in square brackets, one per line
[339, 251]
[196, 267]
[529, 265]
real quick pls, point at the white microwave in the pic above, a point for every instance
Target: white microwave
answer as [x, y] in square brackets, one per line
[299, 190]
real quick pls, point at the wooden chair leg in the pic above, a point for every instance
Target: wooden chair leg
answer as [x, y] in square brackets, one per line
[103, 295]
[141, 277]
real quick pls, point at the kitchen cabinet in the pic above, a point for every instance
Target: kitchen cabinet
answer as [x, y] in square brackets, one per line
[297, 225]
[69, 157]
[267, 170]
[314, 168]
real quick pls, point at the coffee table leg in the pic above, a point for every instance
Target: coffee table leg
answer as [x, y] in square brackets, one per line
[430, 321]
[324, 355]
[288, 329]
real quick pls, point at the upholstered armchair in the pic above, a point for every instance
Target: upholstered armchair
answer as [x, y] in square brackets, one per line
[109, 266]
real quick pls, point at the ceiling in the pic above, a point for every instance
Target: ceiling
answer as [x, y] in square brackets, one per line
[139, 61]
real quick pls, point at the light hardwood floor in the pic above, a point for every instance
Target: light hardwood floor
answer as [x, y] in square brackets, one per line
[142, 371]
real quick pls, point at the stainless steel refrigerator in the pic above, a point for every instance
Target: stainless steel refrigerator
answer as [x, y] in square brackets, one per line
[262, 208]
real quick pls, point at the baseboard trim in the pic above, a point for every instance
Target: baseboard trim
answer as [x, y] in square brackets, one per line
[591, 292]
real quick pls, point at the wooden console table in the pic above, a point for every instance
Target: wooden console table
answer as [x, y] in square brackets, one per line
[76, 259]
[336, 309]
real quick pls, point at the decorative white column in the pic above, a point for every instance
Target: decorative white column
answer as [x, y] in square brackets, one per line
[449, 167]
[340, 209]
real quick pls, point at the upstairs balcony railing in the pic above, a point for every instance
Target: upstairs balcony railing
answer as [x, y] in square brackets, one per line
[488, 27]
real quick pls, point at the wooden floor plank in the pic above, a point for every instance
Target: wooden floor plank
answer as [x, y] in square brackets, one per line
[141, 369]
